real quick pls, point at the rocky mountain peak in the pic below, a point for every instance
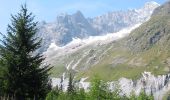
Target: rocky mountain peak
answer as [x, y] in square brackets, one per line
[69, 26]
[149, 7]
[151, 4]
[78, 13]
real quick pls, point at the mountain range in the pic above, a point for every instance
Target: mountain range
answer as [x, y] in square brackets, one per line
[90, 55]
[66, 27]
[117, 46]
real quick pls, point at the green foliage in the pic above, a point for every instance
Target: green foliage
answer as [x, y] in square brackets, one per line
[116, 93]
[133, 96]
[53, 94]
[22, 76]
[144, 96]
[2, 82]
[99, 90]
[95, 90]
[81, 95]
[71, 87]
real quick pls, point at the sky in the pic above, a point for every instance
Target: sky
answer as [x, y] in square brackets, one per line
[47, 10]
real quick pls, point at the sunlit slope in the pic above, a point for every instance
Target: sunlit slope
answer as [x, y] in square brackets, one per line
[147, 48]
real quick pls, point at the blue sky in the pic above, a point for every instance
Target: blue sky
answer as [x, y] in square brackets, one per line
[48, 9]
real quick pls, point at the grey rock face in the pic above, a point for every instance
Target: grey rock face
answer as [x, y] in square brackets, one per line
[158, 85]
[115, 21]
[66, 27]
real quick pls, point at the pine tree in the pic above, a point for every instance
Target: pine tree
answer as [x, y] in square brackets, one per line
[70, 88]
[71, 92]
[61, 84]
[25, 76]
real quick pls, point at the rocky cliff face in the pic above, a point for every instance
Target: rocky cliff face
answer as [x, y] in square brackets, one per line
[115, 21]
[157, 85]
[66, 27]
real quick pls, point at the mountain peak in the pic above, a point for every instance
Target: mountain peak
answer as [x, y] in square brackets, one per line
[151, 5]
[68, 26]
[78, 14]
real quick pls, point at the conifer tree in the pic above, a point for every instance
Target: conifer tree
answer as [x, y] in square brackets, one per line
[70, 88]
[25, 76]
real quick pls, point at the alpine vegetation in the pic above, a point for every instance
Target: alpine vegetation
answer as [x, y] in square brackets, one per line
[99, 90]
[118, 55]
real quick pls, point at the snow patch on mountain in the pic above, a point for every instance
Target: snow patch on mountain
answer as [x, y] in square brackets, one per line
[78, 43]
[69, 65]
[67, 28]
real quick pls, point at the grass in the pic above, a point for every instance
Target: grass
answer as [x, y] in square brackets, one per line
[109, 73]
[57, 71]
[152, 59]
[153, 56]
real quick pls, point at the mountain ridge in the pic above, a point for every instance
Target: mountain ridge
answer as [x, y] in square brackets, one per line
[139, 60]
[127, 57]
[66, 27]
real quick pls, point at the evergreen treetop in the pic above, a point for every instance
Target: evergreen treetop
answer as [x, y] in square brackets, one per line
[24, 77]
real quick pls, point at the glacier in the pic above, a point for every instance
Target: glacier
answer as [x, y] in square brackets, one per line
[78, 43]
[75, 27]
